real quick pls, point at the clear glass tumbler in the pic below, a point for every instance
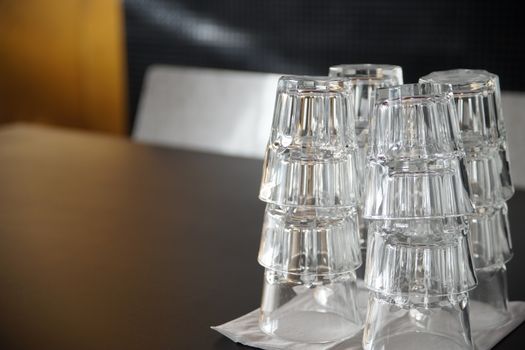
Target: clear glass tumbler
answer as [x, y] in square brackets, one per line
[415, 322]
[415, 122]
[309, 308]
[478, 99]
[311, 155]
[419, 267]
[490, 236]
[427, 256]
[491, 248]
[416, 159]
[489, 300]
[310, 241]
[486, 178]
[365, 79]
[397, 191]
[419, 272]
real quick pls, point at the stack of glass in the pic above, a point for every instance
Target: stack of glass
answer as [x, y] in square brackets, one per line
[310, 237]
[365, 79]
[419, 266]
[477, 97]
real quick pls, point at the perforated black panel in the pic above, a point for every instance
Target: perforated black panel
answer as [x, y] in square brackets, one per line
[305, 37]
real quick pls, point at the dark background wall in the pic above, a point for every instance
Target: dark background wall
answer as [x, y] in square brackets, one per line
[306, 37]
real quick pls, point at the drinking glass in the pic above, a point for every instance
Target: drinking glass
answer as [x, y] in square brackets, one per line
[490, 236]
[486, 186]
[400, 192]
[478, 99]
[416, 159]
[430, 257]
[364, 80]
[419, 272]
[415, 122]
[491, 249]
[489, 300]
[310, 241]
[309, 308]
[419, 267]
[310, 159]
[415, 322]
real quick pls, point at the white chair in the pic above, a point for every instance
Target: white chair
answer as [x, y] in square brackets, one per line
[218, 111]
[513, 104]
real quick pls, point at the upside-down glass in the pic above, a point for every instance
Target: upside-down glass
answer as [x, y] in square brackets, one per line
[478, 99]
[310, 241]
[415, 323]
[310, 244]
[419, 272]
[477, 96]
[490, 236]
[309, 308]
[486, 177]
[310, 159]
[365, 79]
[419, 265]
[489, 300]
[396, 191]
[416, 159]
[427, 257]
[492, 248]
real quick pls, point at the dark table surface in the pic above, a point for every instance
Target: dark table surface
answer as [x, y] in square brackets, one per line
[106, 244]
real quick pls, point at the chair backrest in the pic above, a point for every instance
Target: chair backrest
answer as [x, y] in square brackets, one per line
[514, 114]
[219, 111]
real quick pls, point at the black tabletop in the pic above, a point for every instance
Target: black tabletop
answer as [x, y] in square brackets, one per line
[106, 244]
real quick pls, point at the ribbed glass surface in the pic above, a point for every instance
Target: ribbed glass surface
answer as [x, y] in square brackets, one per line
[310, 241]
[478, 99]
[490, 236]
[414, 122]
[416, 166]
[311, 155]
[364, 80]
[416, 190]
[428, 257]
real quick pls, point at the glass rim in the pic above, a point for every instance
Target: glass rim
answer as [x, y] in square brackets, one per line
[350, 273]
[353, 205]
[414, 218]
[310, 211]
[464, 81]
[421, 294]
[414, 93]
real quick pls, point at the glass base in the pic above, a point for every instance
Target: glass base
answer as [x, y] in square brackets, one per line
[309, 309]
[410, 322]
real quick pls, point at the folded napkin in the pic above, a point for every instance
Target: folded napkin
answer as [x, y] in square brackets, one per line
[245, 329]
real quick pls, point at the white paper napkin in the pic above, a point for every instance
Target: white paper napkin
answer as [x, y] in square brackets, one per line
[245, 330]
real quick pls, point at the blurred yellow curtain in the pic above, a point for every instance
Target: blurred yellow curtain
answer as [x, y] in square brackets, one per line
[62, 63]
